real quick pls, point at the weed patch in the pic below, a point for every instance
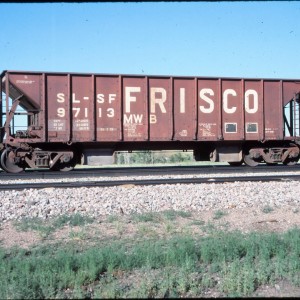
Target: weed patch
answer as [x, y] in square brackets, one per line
[267, 209]
[45, 228]
[146, 217]
[173, 214]
[36, 224]
[219, 214]
[231, 263]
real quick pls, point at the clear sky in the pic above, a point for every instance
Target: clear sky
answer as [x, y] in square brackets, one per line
[220, 39]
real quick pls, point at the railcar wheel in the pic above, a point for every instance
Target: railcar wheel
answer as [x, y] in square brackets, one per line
[0, 160]
[249, 161]
[8, 163]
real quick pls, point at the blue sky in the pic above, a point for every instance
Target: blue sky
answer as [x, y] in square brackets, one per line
[219, 39]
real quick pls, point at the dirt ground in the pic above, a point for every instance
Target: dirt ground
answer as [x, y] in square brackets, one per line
[108, 228]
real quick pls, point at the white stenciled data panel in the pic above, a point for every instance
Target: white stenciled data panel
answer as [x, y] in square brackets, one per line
[108, 108]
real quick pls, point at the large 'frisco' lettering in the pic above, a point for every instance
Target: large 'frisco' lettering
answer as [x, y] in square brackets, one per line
[225, 101]
[129, 98]
[210, 109]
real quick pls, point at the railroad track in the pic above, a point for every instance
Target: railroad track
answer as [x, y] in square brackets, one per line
[199, 180]
[141, 171]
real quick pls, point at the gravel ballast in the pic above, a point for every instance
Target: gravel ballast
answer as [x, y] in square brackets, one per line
[127, 199]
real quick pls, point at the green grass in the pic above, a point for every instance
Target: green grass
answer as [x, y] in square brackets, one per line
[45, 228]
[267, 209]
[112, 218]
[170, 215]
[173, 214]
[231, 263]
[72, 220]
[154, 158]
[146, 217]
[219, 214]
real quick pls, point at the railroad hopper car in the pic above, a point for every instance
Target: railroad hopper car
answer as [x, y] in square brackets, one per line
[72, 118]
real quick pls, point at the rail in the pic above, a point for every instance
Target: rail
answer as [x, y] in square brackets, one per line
[140, 182]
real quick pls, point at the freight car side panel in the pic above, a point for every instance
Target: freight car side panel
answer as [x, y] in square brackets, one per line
[232, 110]
[160, 102]
[83, 121]
[253, 106]
[29, 90]
[108, 108]
[290, 89]
[1, 111]
[135, 108]
[209, 109]
[99, 107]
[185, 108]
[273, 111]
[58, 107]
[30, 85]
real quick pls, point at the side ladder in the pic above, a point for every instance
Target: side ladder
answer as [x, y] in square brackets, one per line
[296, 116]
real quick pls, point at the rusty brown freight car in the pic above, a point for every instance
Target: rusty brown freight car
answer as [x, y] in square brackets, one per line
[71, 117]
